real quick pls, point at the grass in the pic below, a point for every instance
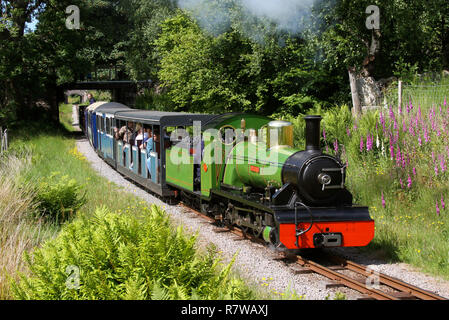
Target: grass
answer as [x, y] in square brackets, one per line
[19, 232]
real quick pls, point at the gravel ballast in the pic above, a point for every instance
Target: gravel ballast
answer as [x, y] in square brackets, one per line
[255, 262]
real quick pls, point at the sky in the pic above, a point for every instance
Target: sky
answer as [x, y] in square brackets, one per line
[32, 25]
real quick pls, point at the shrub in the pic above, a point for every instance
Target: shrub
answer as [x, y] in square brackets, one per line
[115, 256]
[59, 197]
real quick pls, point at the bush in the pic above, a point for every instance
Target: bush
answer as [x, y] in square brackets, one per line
[115, 256]
[59, 197]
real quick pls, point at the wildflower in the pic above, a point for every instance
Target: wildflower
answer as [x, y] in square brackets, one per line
[442, 163]
[391, 113]
[324, 134]
[426, 135]
[336, 146]
[437, 208]
[369, 142]
[400, 182]
[414, 171]
[398, 158]
[443, 205]
[409, 182]
[436, 170]
[383, 200]
[445, 103]
[361, 144]
[410, 129]
[377, 141]
[391, 150]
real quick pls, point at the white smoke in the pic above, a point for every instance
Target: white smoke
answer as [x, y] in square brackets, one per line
[217, 16]
[288, 15]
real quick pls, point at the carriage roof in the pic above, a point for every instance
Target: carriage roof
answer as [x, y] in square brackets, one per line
[111, 108]
[162, 118]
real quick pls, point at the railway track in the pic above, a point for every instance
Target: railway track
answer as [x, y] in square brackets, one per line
[342, 272]
[373, 285]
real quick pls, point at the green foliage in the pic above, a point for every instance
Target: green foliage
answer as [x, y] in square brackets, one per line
[150, 100]
[59, 197]
[126, 257]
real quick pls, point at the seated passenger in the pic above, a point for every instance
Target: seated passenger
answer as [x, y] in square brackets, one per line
[125, 132]
[151, 147]
[146, 136]
[139, 138]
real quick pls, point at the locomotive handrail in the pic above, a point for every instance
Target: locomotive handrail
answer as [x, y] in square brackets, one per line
[299, 232]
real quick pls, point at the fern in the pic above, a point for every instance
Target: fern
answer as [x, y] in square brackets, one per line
[134, 257]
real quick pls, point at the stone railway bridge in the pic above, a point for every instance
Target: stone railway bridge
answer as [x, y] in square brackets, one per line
[121, 91]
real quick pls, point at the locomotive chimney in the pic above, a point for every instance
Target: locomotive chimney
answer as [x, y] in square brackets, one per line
[313, 133]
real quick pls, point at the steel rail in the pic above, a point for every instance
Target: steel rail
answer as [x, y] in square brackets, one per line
[384, 279]
[345, 280]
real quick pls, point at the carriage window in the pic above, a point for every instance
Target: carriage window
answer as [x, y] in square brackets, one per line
[108, 125]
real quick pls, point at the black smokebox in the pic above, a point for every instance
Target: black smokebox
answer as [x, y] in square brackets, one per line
[313, 132]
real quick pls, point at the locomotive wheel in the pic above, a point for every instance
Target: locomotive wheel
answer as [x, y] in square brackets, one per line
[256, 232]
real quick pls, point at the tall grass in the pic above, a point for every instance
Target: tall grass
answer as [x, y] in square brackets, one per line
[19, 231]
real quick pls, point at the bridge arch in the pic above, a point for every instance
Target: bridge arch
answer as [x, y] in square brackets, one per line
[81, 93]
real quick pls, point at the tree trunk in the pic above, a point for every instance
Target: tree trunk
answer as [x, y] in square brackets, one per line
[356, 107]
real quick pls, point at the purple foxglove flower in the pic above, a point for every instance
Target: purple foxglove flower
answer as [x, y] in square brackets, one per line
[414, 171]
[361, 144]
[336, 146]
[426, 135]
[445, 103]
[437, 208]
[443, 205]
[324, 134]
[398, 158]
[400, 182]
[383, 200]
[391, 113]
[409, 182]
[442, 164]
[369, 142]
[419, 141]
[436, 170]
